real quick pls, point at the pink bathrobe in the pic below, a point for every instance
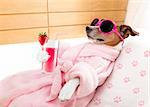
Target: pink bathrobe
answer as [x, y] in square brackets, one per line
[90, 62]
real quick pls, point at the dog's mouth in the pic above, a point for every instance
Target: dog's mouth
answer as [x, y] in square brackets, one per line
[100, 39]
[89, 37]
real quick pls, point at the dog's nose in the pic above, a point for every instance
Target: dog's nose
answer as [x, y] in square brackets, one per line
[88, 29]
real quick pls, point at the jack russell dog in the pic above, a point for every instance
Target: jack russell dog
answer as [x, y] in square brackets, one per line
[85, 67]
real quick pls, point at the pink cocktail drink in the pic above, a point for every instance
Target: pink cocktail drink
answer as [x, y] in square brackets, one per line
[52, 48]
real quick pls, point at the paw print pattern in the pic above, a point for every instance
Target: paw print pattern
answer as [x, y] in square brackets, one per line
[134, 63]
[126, 79]
[117, 99]
[97, 101]
[146, 53]
[109, 85]
[129, 69]
[141, 103]
[128, 50]
[136, 90]
[142, 73]
[119, 66]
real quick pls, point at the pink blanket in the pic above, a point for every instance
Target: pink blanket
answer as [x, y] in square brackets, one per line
[90, 62]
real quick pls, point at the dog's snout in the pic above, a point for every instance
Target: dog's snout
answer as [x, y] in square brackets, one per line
[88, 29]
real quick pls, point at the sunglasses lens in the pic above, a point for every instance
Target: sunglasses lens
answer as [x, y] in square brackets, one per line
[106, 26]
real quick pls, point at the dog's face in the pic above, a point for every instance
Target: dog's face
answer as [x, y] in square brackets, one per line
[112, 38]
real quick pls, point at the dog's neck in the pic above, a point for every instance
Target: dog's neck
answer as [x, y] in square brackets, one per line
[114, 42]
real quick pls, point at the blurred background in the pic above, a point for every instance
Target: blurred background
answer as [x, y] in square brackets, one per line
[138, 14]
[22, 20]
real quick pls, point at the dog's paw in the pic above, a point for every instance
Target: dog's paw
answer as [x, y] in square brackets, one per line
[65, 95]
[68, 90]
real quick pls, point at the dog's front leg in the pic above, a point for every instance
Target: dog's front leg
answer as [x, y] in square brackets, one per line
[68, 89]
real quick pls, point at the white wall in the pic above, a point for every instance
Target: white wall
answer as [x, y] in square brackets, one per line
[138, 17]
[138, 13]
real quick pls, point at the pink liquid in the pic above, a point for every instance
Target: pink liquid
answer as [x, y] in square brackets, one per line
[50, 65]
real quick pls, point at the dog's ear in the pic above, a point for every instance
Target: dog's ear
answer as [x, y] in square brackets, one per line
[94, 22]
[126, 30]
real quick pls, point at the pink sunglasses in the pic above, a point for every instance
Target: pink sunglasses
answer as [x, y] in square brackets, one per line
[106, 27]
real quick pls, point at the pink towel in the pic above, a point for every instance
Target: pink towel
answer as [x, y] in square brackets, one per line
[90, 62]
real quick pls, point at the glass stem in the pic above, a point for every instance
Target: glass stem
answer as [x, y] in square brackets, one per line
[42, 62]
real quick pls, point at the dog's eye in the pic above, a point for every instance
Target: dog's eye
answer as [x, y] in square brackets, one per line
[102, 19]
[94, 22]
